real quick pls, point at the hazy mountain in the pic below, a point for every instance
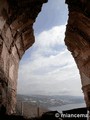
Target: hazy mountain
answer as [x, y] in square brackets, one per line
[35, 105]
[49, 101]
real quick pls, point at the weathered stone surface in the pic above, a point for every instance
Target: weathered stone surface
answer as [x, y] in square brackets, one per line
[16, 36]
[78, 40]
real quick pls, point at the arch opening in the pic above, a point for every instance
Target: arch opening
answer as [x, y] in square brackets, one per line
[16, 36]
[48, 60]
[48, 68]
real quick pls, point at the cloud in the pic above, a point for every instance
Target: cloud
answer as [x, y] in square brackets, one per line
[51, 37]
[54, 13]
[49, 43]
[47, 69]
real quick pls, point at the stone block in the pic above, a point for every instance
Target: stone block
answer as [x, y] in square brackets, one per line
[28, 38]
[16, 25]
[9, 36]
[15, 54]
[2, 22]
[19, 47]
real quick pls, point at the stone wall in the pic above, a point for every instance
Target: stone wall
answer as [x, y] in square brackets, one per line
[16, 36]
[78, 40]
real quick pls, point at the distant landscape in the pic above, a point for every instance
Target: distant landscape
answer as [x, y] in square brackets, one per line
[29, 106]
[49, 101]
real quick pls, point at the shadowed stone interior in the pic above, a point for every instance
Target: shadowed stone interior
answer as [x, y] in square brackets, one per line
[16, 36]
[78, 40]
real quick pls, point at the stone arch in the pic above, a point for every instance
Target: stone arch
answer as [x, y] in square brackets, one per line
[16, 36]
[77, 40]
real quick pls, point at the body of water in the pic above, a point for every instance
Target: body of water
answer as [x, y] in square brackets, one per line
[68, 107]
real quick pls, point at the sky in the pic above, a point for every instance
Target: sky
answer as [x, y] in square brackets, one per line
[48, 68]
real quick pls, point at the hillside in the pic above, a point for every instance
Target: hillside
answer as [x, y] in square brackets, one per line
[36, 105]
[49, 101]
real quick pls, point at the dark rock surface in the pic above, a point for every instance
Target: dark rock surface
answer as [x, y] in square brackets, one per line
[16, 36]
[78, 40]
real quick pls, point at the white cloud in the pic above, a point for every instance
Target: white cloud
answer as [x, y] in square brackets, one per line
[51, 70]
[51, 37]
[54, 13]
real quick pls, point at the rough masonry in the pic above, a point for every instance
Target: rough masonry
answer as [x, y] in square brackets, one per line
[78, 41]
[16, 36]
